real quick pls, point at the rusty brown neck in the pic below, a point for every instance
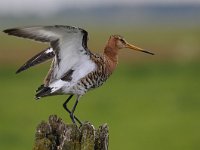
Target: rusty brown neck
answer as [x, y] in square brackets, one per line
[111, 54]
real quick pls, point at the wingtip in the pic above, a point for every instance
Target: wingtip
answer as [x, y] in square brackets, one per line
[12, 31]
[8, 31]
[20, 70]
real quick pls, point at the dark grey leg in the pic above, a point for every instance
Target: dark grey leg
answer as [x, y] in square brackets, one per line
[73, 110]
[65, 107]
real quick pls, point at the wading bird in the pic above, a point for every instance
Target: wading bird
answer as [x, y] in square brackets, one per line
[74, 69]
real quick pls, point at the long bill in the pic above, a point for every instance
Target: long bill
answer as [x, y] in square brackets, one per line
[133, 47]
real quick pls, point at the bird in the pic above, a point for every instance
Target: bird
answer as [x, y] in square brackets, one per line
[74, 69]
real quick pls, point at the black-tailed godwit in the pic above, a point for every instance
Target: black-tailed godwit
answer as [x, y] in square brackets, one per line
[74, 69]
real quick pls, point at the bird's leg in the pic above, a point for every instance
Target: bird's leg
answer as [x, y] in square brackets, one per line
[73, 109]
[65, 107]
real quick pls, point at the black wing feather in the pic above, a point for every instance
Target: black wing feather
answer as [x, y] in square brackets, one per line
[37, 59]
[57, 36]
[25, 34]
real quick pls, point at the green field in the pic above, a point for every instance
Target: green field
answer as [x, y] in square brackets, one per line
[147, 106]
[150, 102]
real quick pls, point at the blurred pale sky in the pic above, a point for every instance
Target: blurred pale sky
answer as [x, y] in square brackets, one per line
[44, 7]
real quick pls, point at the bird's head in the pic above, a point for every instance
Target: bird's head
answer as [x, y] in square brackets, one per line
[120, 43]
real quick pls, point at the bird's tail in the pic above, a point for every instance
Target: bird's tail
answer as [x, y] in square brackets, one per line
[42, 92]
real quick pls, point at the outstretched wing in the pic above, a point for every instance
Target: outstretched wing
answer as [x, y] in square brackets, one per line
[37, 59]
[69, 44]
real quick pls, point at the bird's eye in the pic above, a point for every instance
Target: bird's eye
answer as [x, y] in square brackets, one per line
[122, 40]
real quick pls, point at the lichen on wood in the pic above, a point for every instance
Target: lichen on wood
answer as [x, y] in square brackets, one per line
[56, 135]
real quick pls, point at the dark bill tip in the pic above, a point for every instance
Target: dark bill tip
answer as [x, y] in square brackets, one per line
[147, 52]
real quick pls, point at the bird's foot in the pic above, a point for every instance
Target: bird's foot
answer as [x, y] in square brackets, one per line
[73, 118]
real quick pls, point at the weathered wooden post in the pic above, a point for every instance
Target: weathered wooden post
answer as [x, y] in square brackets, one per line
[56, 135]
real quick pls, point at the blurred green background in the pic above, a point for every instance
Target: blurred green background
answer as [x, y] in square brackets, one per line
[150, 102]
